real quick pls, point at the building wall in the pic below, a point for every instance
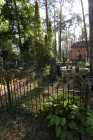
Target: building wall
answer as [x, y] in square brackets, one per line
[74, 51]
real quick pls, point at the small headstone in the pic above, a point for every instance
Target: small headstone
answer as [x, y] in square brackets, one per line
[53, 65]
[58, 70]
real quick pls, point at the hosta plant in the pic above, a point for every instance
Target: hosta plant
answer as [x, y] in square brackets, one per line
[71, 121]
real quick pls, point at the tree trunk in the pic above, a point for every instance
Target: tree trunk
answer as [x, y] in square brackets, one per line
[91, 33]
[66, 43]
[55, 30]
[9, 96]
[85, 30]
[19, 34]
[60, 31]
[46, 6]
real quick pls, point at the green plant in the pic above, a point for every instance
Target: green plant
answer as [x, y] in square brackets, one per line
[69, 123]
[81, 72]
[77, 79]
[33, 74]
[43, 76]
[89, 122]
[82, 64]
[77, 69]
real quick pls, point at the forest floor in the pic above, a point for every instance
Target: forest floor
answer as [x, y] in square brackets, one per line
[25, 127]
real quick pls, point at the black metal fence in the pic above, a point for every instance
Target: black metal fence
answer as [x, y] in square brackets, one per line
[17, 88]
[32, 96]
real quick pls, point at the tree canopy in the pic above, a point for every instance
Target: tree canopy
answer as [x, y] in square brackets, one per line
[27, 31]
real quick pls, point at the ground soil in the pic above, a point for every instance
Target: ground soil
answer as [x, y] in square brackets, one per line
[25, 127]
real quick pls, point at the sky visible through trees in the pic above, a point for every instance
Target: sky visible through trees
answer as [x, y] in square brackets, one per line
[71, 9]
[75, 9]
[65, 16]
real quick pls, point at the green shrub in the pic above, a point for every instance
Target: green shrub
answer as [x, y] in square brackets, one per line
[71, 126]
[81, 72]
[82, 64]
[77, 69]
[69, 123]
[77, 79]
[43, 76]
[33, 74]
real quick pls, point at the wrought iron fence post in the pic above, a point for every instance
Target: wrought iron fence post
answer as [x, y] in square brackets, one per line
[63, 96]
[8, 88]
[57, 96]
[86, 96]
[8, 79]
[80, 97]
[68, 96]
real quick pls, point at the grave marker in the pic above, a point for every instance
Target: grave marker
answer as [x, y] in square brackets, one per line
[53, 65]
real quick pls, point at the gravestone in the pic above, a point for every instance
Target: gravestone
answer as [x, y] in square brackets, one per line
[53, 65]
[58, 70]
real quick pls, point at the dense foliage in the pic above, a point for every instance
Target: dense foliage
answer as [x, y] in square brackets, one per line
[21, 31]
[17, 21]
[69, 119]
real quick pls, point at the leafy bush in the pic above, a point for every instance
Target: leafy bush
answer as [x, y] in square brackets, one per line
[43, 76]
[11, 74]
[33, 74]
[82, 64]
[77, 79]
[77, 69]
[69, 123]
[81, 72]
